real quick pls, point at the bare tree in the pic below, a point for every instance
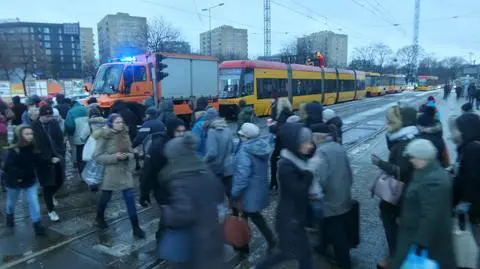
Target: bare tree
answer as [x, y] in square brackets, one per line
[364, 59]
[160, 33]
[382, 54]
[6, 64]
[406, 55]
[89, 69]
[289, 48]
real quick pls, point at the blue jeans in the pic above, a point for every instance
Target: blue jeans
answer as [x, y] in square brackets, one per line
[278, 257]
[31, 195]
[128, 197]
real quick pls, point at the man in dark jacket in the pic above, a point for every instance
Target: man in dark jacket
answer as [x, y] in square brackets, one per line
[154, 162]
[431, 129]
[465, 132]
[18, 109]
[471, 92]
[246, 114]
[62, 105]
[330, 118]
[151, 125]
[167, 111]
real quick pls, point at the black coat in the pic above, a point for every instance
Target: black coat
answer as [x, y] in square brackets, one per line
[50, 143]
[338, 123]
[20, 167]
[435, 135]
[195, 193]
[154, 162]
[291, 216]
[18, 110]
[63, 110]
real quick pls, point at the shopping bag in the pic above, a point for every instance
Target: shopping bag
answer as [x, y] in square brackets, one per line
[421, 261]
[89, 149]
[388, 188]
[175, 245]
[236, 231]
[465, 246]
[93, 172]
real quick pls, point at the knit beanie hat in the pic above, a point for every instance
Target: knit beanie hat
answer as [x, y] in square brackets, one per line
[421, 149]
[111, 118]
[249, 130]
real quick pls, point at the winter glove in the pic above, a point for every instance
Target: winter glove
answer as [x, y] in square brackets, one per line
[145, 200]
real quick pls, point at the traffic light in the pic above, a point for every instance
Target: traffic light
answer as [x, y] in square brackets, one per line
[160, 67]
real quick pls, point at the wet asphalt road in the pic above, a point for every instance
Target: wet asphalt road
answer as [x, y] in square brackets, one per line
[75, 243]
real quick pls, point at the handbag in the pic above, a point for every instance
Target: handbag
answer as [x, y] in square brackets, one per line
[175, 246]
[387, 188]
[93, 172]
[464, 244]
[414, 261]
[236, 231]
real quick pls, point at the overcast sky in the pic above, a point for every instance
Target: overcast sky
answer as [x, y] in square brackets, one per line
[439, 32]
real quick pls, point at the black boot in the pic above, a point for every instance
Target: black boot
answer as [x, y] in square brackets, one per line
[100, 220]
[137, 231]
[10, 221]
[38, 228]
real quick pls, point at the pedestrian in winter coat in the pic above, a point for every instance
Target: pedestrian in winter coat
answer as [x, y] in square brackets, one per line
[19, 175]
[18, 109]
[199, 131]
[250, 178]
[50, 143]
[465, 131]
[62, 105]
[192, 208]
[431, 129]
[3, 132]
[281, 111]
[314, 113]
[32, 102]
[401, 129]
[76, 126]
[330, 118]
[166, 111]
[151, 125]
[426, 217]
[295, 181]
[154, 163]
[219, 145]
[332, 172]
[245, 115]
[471, 90]
[114, 151]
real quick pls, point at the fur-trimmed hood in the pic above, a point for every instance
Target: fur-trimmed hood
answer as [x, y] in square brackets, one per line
[108, 133]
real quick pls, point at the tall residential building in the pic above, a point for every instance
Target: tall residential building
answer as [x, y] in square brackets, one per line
[226, 42]
[121, 35]
[87, 46]
[49, 50]
[333, 46]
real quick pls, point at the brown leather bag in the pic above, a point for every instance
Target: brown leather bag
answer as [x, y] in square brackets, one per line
[236, 231]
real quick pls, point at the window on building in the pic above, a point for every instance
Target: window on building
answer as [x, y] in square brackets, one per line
[48, 52]
[62, 58]
[61, 52]
[139, 73]
[40, 30]
[46, 37]
[47, 45]
[60, 45]
[46, 30]
[73, 52]
[32, 30]
[74, 66]
[73, 45]
[60, 38]
[72, 39]
[60, 30]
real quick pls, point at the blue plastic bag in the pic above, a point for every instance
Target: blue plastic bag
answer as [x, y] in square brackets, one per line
[175, 246]
[93, 172]
[421, 261]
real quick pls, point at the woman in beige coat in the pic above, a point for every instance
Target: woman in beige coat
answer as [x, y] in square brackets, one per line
[114, 151]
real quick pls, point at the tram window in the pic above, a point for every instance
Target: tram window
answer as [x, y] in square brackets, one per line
[317, 86]
[248, 83]
[271, 88]
[360, 85]
[330, 85]
[303, 86]
[347, 85]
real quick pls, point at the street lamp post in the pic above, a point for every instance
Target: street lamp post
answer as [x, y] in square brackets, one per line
[210, 22]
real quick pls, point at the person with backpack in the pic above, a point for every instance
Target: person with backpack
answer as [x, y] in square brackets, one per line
[245, 115]
[20, 176]
[150, 126]
[76, 126]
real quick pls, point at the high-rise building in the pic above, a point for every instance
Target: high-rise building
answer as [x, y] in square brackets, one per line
[121, 35]
[333, 46]
[226, 42]
[48, 50]
[87, 47]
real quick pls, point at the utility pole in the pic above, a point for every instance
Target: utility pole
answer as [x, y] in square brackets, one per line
[416, 33]
[210, 23]
[267, 27]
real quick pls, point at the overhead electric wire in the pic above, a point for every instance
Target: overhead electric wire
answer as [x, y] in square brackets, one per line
[433, 19]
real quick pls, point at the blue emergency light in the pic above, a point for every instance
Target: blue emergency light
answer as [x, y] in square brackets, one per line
[128, 59]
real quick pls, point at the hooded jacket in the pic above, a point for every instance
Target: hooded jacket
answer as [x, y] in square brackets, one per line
[20, 166]
[250, 176]
[219, 147]
[467, 180]
[118, 173]
[149, 127]
[76, 124]
[432, 130]
[130, 118]
[167, 111]
[246, 115]
[295, 181]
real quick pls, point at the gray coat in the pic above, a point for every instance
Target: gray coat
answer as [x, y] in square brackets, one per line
[118, 174]
[194, 193]
[250, 177]
[426, 217]
[330, 167]
[219, 146]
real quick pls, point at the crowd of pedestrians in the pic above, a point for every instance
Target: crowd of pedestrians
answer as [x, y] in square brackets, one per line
[302, 158]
